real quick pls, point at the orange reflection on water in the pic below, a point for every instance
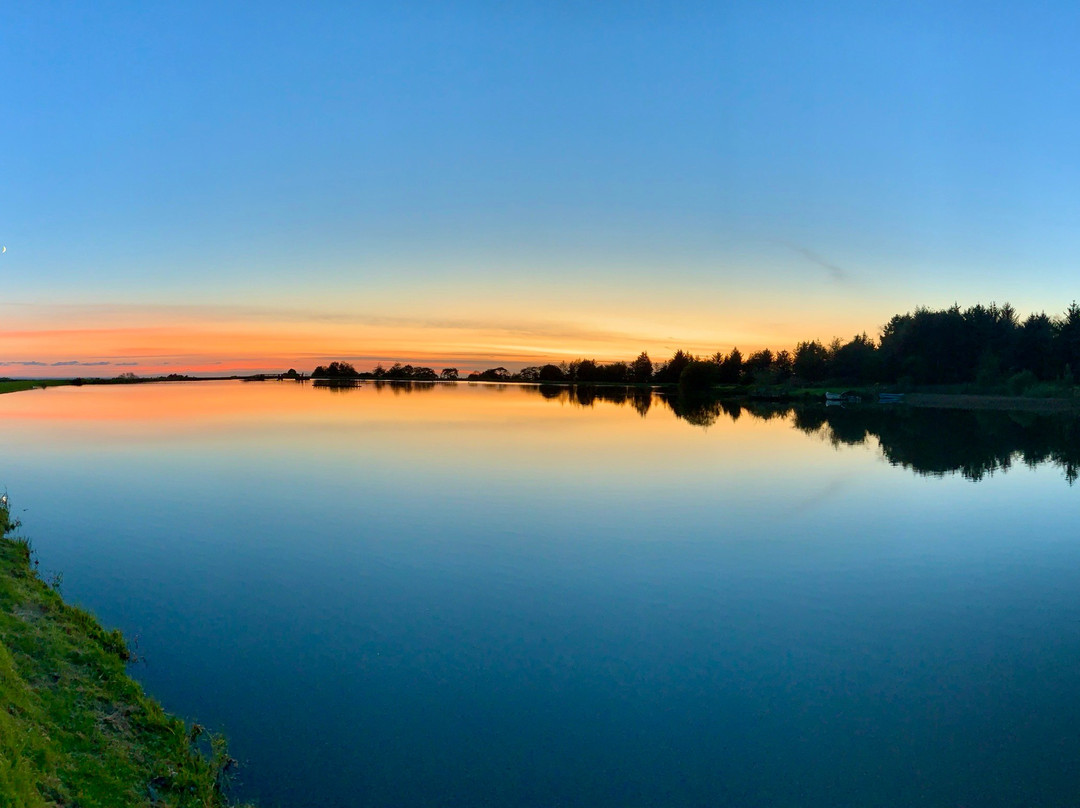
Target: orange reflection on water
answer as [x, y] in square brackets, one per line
[452, 425]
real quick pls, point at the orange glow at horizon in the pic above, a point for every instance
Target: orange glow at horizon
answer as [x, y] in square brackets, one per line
[211, 344]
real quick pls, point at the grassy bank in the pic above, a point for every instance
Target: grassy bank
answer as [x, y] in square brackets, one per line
[75, 729]
[16, 385]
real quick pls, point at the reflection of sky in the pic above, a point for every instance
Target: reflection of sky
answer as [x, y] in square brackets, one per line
[418, 431]
[466, 592]
[433, 436]
[261, 188]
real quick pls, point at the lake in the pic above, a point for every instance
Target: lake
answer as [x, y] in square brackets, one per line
[480, 595]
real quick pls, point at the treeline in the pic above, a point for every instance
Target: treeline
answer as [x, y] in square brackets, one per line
[344, 371]
[131, 378]
[984, 345]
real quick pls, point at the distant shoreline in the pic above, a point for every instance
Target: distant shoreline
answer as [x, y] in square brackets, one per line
[9, 385]
[936, 400]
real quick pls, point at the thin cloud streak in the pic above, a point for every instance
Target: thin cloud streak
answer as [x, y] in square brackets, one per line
[272, 337]
[33, 363]
[836, 272]
[218, 313]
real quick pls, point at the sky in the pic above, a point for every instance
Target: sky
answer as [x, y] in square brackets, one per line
[238, 187]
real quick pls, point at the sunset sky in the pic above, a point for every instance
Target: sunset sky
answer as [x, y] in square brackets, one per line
[256, 186]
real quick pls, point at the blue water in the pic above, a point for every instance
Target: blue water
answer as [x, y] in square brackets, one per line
[470, 595]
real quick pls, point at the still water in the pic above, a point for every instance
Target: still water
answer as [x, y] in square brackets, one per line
[467, 595]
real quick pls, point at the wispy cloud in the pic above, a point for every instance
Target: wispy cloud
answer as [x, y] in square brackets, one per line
[836, 272]
[33, 363]
[140, 316]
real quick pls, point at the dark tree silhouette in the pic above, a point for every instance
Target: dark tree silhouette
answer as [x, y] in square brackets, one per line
[810, 362]
[700, 375]
[670, 372]
[1068, 339]
[551, 373]
[1035, 346]
[585, 370]
[641, 370]
[782, 366]
[984, 344]
[855, 361]
[614, 372]
[499, 374]
[335, 370]
[731, 367]
[758, 368]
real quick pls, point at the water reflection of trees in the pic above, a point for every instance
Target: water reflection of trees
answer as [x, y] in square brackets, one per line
[693, 407]
[395, 387]
[927, 441]
[936, 442]
[584, 395]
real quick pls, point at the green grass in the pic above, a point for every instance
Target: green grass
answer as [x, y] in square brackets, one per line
[14, 386]
[75, 729]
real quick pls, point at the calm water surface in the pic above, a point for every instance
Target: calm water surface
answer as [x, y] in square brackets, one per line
[463, 595]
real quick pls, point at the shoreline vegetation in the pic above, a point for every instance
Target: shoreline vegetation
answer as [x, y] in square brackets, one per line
[979, 357]
[979, 351]
[76, 728]
[9, 385]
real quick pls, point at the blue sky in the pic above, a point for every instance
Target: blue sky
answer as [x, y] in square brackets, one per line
[657, 175]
